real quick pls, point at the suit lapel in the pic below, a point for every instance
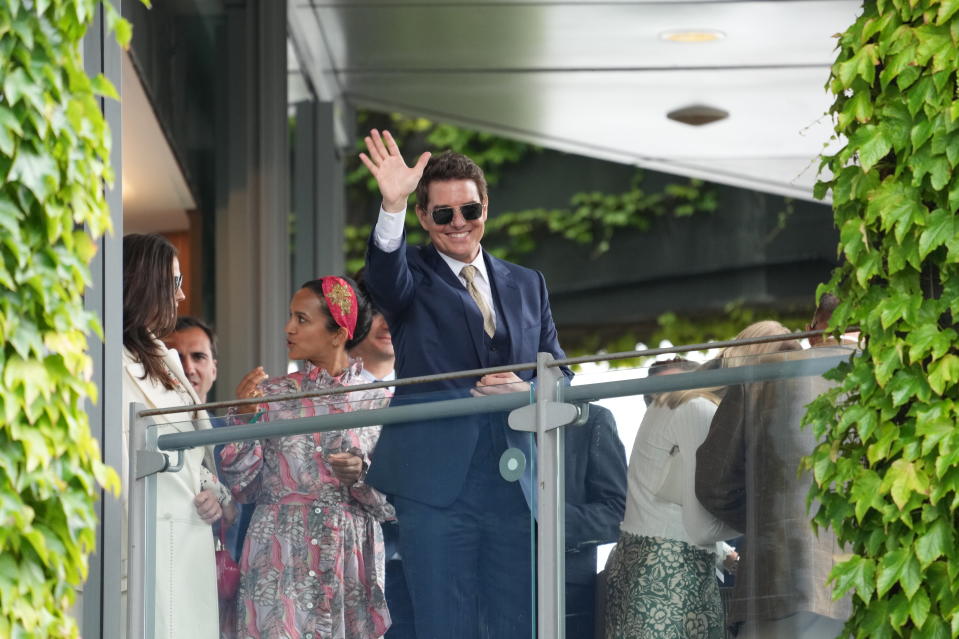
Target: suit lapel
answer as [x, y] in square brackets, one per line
[510, 302]
[471, 313]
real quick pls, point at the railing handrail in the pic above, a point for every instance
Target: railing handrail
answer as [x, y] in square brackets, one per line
[686, 348]
[477, 372]
[796, 367]
[339, 421]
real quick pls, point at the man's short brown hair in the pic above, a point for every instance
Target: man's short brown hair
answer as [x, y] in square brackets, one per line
[446, 166]
[185, 322]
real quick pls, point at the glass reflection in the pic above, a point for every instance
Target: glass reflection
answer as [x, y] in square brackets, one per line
[716, 465]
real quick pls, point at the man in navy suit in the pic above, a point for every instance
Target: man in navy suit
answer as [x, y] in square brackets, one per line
[465, 532]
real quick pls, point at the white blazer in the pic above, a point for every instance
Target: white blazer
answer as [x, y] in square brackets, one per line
[186, 597]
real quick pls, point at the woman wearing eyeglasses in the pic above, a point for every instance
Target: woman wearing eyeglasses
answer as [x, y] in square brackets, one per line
[190, 500]
[313, 560]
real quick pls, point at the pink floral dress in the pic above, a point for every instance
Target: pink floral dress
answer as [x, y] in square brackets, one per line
[313, 561]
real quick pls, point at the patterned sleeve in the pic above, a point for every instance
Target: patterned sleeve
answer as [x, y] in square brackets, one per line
[241, 462]
[373, 501]
[208, 481]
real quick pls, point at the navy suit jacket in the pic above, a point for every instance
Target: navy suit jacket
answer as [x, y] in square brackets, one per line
[595, 491]
[437, 328]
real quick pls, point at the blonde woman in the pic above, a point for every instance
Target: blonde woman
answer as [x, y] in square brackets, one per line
[661, 577]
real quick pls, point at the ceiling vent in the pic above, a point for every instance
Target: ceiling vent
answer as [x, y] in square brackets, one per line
[697, 115]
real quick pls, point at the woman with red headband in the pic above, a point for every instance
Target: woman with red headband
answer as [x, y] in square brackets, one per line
[313, 560]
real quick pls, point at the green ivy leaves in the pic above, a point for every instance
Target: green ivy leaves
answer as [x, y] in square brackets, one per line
[54, 157]
[944, 373]
[887, 466]
[861, 64]
[593, 219]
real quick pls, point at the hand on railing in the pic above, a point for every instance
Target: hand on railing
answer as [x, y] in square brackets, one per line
[497, 383]
[247, 388]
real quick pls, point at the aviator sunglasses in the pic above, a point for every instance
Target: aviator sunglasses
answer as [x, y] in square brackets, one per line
[444, 214]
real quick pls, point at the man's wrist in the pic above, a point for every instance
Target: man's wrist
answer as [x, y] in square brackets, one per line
[394, 207]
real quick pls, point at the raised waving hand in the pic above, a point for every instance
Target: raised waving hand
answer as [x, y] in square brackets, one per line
[385, 162]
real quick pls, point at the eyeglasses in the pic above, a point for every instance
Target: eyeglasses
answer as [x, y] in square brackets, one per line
[177, 282]
[444, 214]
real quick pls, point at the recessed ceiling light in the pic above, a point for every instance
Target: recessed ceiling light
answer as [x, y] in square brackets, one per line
[697, 114]
[692, 35]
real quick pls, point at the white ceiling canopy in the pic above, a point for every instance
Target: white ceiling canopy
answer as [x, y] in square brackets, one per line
[597, 78]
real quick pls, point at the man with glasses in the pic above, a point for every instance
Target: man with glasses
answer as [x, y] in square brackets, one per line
[464, 530]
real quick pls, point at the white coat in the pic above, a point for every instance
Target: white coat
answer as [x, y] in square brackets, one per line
[186, 595]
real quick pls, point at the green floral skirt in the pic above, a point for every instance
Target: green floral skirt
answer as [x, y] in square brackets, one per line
[662, 589]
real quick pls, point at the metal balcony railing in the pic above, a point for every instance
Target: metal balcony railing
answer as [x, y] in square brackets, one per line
[551, 405]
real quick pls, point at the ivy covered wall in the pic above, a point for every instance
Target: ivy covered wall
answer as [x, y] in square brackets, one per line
[54, 161]
[887, 468]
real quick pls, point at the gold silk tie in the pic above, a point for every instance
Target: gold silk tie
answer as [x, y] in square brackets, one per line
[489, 323]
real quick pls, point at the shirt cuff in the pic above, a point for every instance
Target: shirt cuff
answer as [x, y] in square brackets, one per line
[388, 233]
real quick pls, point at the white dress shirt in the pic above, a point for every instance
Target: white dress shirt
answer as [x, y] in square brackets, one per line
[388, 236]
[369, 378]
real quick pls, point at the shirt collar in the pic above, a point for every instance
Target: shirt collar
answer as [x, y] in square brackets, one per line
[456, 266]
[368, 376]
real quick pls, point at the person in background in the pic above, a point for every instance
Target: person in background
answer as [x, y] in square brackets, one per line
[190, 500]
[595, 501]
[747, 475]
[661, 575]
[376, 350]
[667, 367]
[195, 343]
[312, 564]
[378, 356]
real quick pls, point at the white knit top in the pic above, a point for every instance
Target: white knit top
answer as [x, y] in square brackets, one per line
[662, 471]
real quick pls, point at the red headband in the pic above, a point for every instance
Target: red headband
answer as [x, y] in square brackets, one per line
[341, 300]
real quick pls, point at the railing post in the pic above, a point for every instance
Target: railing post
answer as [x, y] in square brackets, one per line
[141, 538]
[551, 518]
